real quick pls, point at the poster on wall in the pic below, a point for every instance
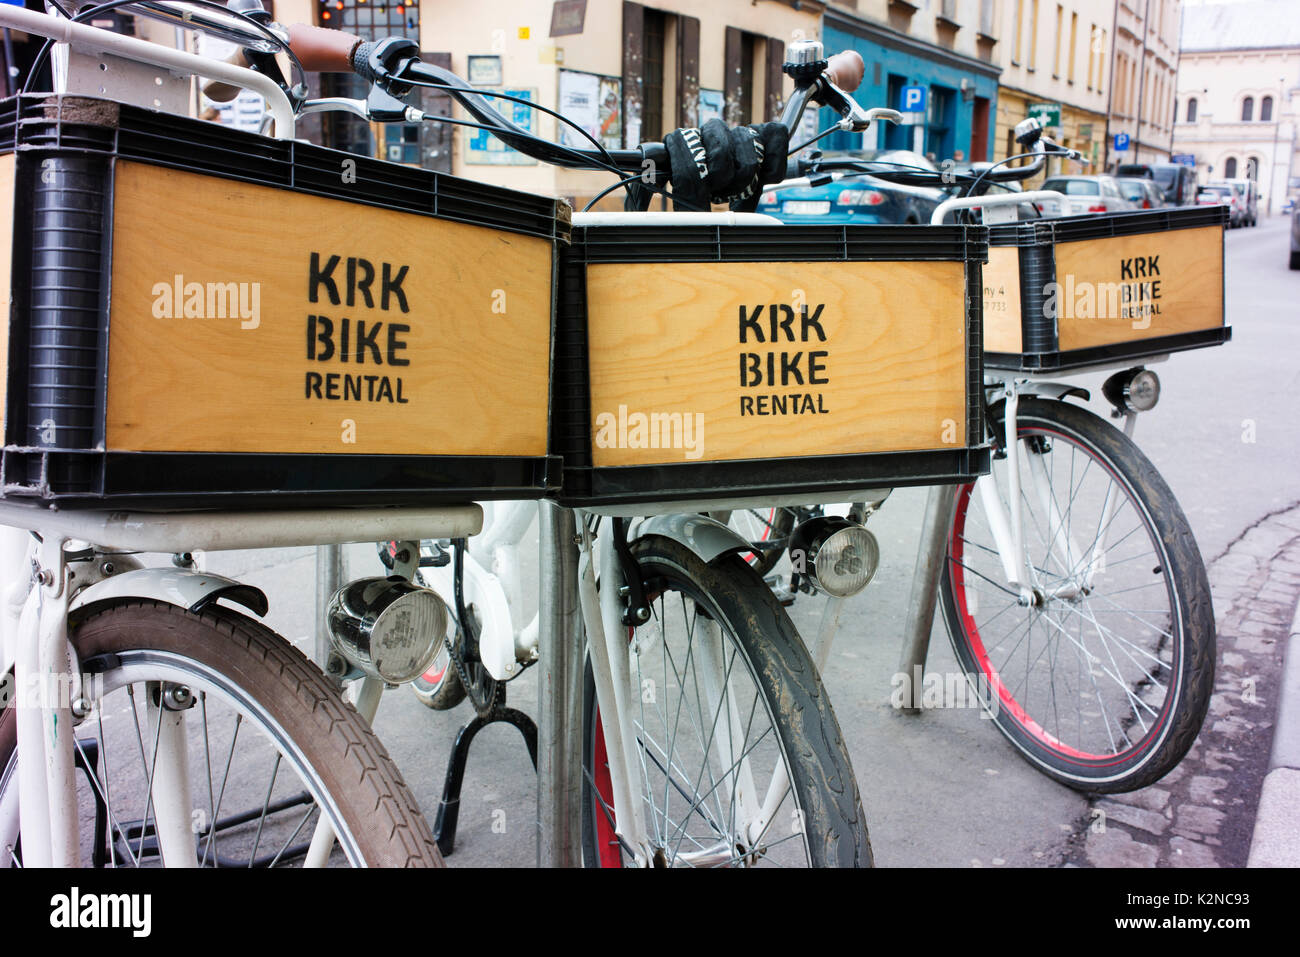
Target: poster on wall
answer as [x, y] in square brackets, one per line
[484, 149]
[593, 103]
[710, 106]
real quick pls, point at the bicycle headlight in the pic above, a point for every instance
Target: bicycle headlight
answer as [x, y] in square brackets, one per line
[1135, 390]
[840, 555]
[387, 627]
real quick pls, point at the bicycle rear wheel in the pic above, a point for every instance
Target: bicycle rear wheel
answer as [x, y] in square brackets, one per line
[1103, 680]
[739, 756]
[269, 746]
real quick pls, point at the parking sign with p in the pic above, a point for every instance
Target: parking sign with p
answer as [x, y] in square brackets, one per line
[913, 100]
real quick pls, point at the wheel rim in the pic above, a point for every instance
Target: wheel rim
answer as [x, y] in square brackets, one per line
[1091, 679]
[695, 815]
[245, 772]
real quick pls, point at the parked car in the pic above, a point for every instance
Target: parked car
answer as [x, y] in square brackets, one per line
[1215, 193]
[1250, 191]
[1295, 235]
[1084, 194]
[857, 197]
[1141, 193]
[1178, 182]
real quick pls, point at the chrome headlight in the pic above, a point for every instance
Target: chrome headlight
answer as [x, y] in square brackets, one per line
[387, 627]
[841, 556]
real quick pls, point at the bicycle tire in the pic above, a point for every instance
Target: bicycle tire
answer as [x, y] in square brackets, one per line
[226, 659]
[1156, 664]
[823, 807]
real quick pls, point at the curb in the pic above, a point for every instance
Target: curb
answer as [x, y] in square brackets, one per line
[1276, 841]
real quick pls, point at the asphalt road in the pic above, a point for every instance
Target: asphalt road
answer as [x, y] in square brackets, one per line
[941, 788]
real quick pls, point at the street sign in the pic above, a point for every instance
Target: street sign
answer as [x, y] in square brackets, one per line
[913, 99]
[1184, 159]
[1121, 142]
[1049, 113]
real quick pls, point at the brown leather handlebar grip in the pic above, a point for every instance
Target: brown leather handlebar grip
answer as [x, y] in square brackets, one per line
[845, 70]
[322, 50]
[225, 92]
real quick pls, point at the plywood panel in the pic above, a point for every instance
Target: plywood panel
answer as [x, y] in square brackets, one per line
[1127, 288]
[1002, 331]
[680, 359]
[450, 355]
[7, 186]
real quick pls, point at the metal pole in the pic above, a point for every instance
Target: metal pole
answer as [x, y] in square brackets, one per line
[329, 579]
[561, 643]
[931, 551]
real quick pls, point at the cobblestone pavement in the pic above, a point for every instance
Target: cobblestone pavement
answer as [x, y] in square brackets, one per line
[1202, 813]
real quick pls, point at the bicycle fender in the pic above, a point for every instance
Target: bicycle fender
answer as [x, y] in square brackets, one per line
[1055, 390]
[185, 588]
[706, 537]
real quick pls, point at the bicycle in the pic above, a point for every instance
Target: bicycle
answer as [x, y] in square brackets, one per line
[684, 591]
[1100, 692]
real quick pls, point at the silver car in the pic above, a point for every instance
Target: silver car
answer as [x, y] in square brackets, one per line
[1083, 195]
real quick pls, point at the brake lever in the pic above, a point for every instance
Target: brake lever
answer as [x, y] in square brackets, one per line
[378, 107]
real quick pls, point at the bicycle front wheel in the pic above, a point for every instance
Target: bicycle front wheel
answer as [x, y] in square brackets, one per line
[738, 756]
[1103, 679]
[214, 721]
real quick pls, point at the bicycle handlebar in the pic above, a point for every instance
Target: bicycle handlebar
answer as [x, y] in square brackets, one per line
[322, 50]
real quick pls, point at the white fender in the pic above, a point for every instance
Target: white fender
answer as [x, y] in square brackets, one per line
[182, 587]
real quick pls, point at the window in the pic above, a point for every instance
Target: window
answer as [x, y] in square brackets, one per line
[1074, 43]
[1056, 50]
[939, 123]
[1101, 59]
[1020, 16]
[1191, 110]
[1230, 168]
[1266, 109]
[1248, 109]
[652, 77]
[1252, 168]
[1033, 34]
[1092, 52]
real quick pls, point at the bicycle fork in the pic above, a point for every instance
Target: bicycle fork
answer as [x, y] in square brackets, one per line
[1007, 528]
[627, 749]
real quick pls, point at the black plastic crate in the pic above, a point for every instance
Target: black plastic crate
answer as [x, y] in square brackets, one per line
[1096, 290]
[202, 317]
[874, 376]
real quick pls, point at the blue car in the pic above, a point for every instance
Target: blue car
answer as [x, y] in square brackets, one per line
[856, 197]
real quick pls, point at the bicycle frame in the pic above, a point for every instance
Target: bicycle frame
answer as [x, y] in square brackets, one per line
[1006, 525]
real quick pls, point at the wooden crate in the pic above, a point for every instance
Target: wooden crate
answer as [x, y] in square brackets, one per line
[1096, 290]
[199, 316]
[701, 363]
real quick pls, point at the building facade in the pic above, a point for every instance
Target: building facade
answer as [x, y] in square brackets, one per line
[943, 47]
[1143, 81]
[625, 72]
[1239, 95]
[1055, 60]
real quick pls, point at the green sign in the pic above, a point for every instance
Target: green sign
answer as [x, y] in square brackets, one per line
[1049, 112]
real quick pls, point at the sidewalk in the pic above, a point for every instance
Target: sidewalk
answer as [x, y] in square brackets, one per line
[1276, 842]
